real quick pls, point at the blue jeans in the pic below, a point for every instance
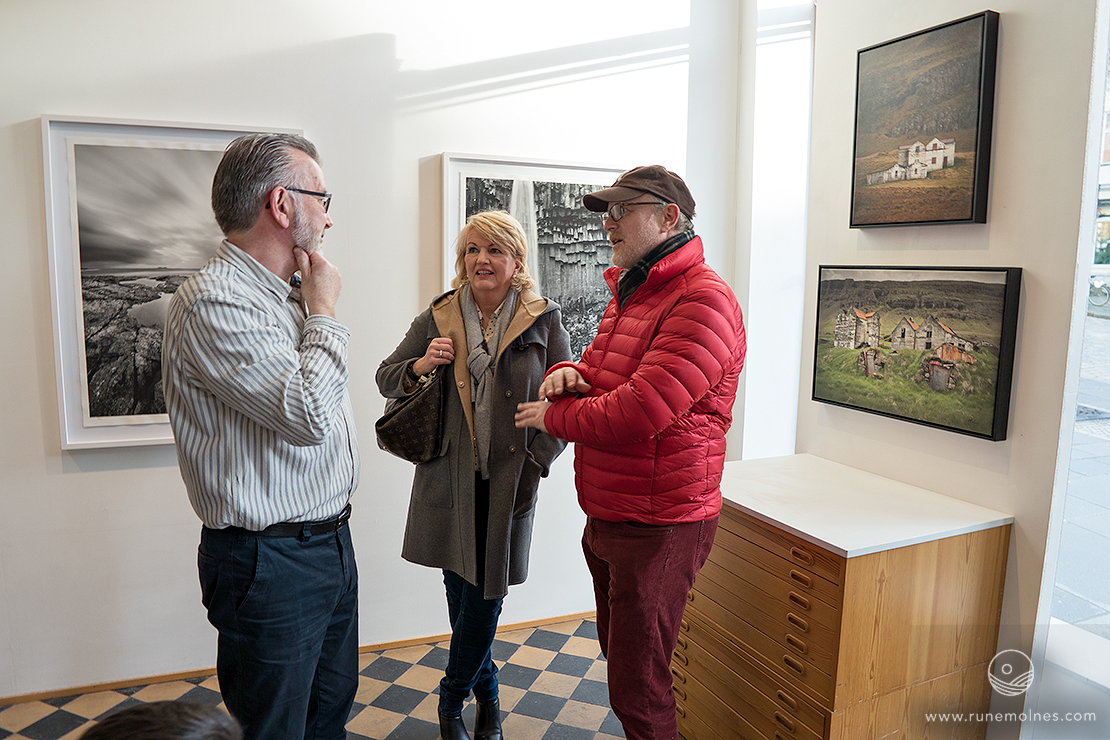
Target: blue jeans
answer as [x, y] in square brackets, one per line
[473, 626]
[286, 610]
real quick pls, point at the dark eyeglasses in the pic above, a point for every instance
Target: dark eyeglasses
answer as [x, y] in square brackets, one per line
[617, 210]
[325, 198]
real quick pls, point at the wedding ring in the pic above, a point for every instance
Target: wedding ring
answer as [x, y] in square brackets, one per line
[441, 353]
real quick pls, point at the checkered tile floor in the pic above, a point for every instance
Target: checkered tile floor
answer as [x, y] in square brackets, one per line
[552, 688]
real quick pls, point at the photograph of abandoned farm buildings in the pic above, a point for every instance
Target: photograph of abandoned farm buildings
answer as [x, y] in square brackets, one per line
[918, 344]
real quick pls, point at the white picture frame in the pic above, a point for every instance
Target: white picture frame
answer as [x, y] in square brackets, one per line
[138, 191]
[568, 227]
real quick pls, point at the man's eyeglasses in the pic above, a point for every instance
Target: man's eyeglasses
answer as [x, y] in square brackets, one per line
[325, 198]
[617, 210]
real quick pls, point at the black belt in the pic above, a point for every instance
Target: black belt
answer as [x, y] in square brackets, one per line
[297, 529]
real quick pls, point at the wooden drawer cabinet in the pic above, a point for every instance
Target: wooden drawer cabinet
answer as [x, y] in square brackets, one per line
[784, 639]
[765, 702]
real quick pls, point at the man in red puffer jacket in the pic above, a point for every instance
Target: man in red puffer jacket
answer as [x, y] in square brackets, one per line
[648, 408]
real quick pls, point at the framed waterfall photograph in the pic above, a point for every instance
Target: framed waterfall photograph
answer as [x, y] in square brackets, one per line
[568, 250]
[128, 219]
[924, 113]
[930, 345]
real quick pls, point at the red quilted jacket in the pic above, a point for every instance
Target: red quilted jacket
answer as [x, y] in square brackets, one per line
[650, 437]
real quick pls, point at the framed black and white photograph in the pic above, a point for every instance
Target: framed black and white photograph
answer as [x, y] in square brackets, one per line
[568, 250]
[930, 345]
[924, 113]
[128, 219]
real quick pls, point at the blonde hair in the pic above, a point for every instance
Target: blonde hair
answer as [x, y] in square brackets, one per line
[502, 230]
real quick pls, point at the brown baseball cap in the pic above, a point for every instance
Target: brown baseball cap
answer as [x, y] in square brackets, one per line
[654, 179]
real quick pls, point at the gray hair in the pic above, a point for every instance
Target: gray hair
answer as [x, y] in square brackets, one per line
[251, 167]
[684, 223]
[167, 720]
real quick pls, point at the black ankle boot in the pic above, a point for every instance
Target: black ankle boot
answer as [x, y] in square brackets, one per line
[488, 724]
[452, 728]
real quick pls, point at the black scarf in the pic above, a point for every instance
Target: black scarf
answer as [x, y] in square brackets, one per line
[637, 275]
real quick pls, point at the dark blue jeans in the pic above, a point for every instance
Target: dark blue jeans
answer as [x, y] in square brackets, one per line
[470, 665]
[287, 614]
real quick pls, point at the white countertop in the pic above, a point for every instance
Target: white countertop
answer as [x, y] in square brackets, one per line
[846, 510]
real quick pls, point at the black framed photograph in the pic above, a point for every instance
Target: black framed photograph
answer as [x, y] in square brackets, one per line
[930, 345]
[568, 248]
[128, 219]
[924, 111]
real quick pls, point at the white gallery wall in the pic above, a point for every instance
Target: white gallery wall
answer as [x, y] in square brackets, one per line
[97, 557]
[1045, 56]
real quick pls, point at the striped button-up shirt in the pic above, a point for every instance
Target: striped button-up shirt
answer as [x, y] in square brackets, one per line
[257, 398]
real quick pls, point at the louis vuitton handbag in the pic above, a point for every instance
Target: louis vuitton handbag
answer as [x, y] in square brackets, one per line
[412, 427]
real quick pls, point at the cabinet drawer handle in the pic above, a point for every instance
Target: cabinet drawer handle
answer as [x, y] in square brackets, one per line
[786, 723]
[792, 664]
[800, 600]
[797, 621]
[681, 658]
[678, 676]
[690, 596]
[788, 701]
[801, 555]
[680, 692]
[684, 626]
[681, 643]
[680, 711]
[801, 578]
[778, 736]
[797, 644]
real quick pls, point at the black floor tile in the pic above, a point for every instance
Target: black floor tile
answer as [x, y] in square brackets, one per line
[591, 692]
[53, 726]
[436, 658]
[588, 628]
[201, 695]
[60, 701]
[414, 729]
[128, 702]
[502, 650]
[400, 699]
[612, 725]
[566, 732]
[519, 676]
[386, 669]
[547, 640]
[542, 706]
[570, 665]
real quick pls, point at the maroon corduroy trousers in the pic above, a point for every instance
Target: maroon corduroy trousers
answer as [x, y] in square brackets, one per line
[642, 574]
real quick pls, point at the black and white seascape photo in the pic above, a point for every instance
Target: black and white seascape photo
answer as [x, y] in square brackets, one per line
[143, 224]
[568, 250]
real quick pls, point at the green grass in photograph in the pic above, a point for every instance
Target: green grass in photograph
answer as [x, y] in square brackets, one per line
[903, 391]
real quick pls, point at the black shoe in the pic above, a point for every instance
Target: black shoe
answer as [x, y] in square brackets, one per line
[488, 724]
[452, 728]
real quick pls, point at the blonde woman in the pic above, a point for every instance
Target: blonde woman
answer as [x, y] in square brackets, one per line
[472, 507]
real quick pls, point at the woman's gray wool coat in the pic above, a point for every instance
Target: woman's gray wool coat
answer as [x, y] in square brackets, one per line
[440, 528]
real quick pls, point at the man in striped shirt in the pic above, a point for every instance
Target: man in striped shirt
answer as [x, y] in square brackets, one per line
[254, 370]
